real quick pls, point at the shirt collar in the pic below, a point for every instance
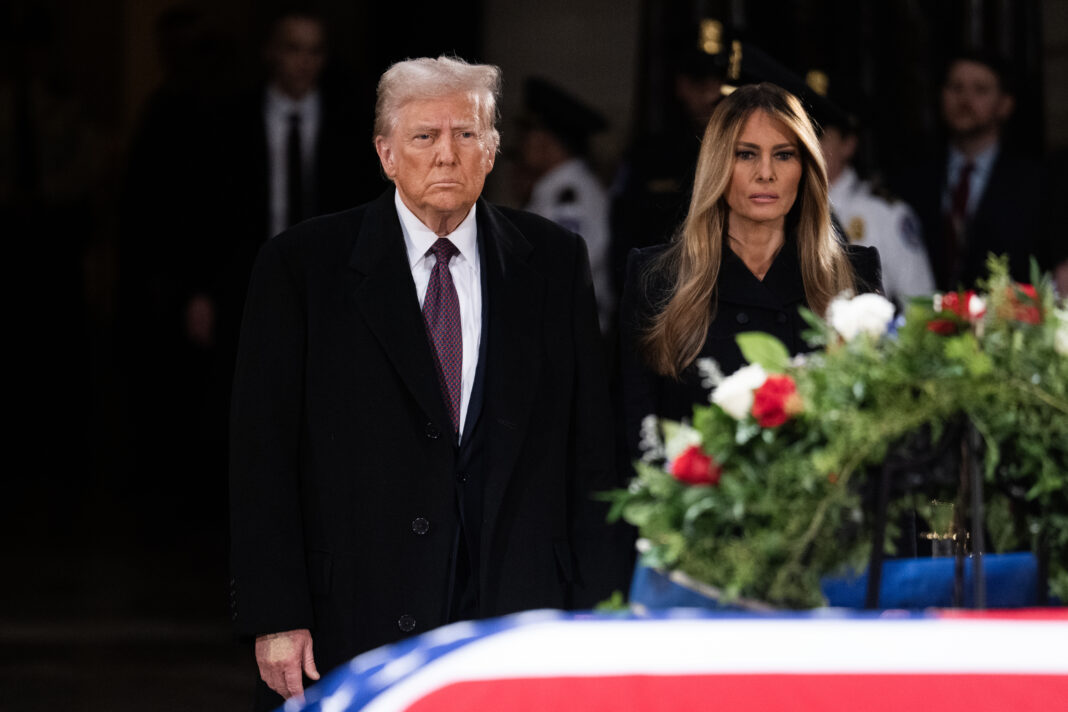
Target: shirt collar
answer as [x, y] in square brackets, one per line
[418, 238]
[983, 161]
[280, 103]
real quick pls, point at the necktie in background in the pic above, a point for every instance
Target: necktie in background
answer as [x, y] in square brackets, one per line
[441, 312]
[956, 220]
[294, 173]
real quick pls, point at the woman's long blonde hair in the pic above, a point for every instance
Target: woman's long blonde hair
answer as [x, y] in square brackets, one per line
[678, 331]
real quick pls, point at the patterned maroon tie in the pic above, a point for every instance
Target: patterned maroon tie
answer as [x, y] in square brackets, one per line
[955, 223]
[441, 312]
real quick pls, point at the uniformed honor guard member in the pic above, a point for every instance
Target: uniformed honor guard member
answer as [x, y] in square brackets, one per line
[868, 215]
[554, 150]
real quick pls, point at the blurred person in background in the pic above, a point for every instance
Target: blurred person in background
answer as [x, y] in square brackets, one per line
[553, 149]
[290, 150]
[168, 260]
[652, 187]
[869, 215]
[978, 196]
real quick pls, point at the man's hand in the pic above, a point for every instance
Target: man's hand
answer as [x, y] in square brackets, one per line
[282, 657]
[200, 320]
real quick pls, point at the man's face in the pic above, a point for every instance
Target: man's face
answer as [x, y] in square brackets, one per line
[972, 100]
[296, 55]
[438, 156]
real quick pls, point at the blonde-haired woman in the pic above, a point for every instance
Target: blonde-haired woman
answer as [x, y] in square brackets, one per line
[756, 245]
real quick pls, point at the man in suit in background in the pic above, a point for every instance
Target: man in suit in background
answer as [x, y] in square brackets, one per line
[979, 196]
[420, 411]
[288, 149]
[291, 148]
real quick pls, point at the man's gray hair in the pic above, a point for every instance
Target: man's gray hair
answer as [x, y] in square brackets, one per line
[426, 78]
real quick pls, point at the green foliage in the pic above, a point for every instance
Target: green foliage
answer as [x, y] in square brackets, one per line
[785, 511]
[616, 603]
[764, 349]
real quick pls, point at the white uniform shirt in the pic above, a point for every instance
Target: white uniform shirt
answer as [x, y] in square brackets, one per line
[572, 197]
[466, 277]
[891, 227]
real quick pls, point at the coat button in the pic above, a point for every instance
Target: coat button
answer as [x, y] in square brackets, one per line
[420, 525]
[406, 623]
[432, 431]
[742, 318]
[461, 477]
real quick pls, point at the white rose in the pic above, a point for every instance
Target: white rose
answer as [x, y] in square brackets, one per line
[863, 314]
[735, 393]
[1060, 341]
[1060, 336]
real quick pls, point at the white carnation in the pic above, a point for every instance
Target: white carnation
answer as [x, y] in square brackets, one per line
[735, 393]
[1060, 341]
[863, 314]
[1060, 337]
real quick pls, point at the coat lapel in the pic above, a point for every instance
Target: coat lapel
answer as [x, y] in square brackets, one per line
[515, 315]
[384, 292]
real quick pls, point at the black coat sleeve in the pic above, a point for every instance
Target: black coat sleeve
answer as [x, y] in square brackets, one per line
[603, 552]
[269, 580]
[638, 383]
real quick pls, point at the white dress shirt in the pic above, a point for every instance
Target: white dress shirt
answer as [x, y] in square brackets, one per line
[983, 165]
[277, 108]
[466, 277]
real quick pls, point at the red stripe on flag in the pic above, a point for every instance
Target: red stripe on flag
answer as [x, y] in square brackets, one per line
[755, 693]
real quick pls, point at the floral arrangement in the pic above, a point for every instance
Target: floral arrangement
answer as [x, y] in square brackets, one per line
[759, 496]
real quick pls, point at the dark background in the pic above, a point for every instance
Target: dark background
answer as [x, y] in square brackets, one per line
[114, 586]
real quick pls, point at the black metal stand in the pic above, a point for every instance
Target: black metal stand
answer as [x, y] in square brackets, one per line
[978, 518]
[969, 500]
[878, 544]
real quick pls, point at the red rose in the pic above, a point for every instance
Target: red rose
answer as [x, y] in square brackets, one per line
[942, 326]
[776, 401]
[695, 468]
[952, 302]
[1029, 313]
[963, 304]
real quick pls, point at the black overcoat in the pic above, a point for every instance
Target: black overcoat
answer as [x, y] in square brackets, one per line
[343, 482]
[743, 303]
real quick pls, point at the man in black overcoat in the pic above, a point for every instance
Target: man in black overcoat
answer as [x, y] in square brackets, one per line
[390, 474]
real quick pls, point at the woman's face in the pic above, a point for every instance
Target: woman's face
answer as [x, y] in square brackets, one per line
[767, 170]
